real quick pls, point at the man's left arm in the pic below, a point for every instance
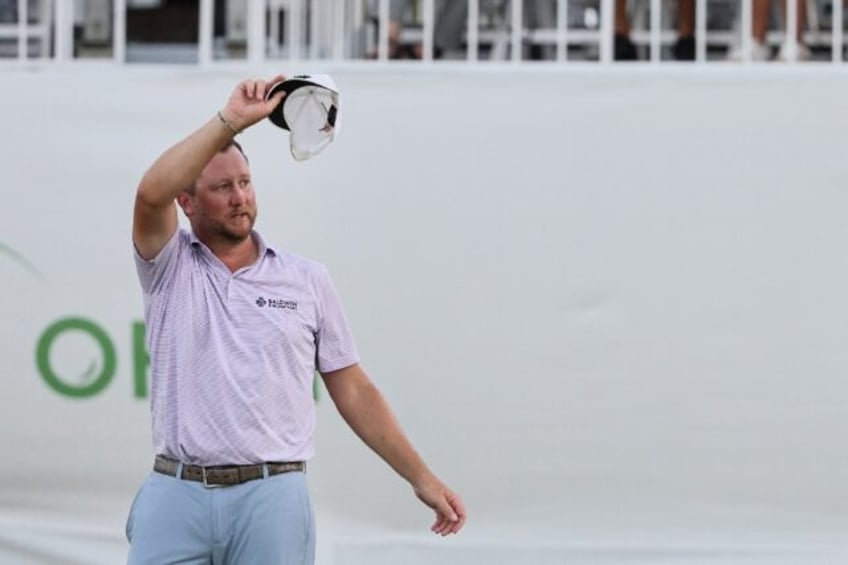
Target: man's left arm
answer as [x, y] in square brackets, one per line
[368, 414]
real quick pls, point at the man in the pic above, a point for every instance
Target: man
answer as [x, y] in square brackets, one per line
[235, 331]
[684, 47]
[760, 22]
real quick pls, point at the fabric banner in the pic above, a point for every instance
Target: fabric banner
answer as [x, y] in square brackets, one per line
[608, 307]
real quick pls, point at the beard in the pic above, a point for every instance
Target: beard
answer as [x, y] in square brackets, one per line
[234, 229]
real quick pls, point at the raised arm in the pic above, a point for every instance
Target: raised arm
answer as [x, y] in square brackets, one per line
[368, 414]
[155, 214]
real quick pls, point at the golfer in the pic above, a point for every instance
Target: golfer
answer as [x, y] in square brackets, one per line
[236, 328]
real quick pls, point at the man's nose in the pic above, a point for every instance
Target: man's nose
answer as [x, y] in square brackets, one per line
[237, 196]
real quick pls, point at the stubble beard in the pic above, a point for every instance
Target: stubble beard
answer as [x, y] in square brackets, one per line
[230, 235]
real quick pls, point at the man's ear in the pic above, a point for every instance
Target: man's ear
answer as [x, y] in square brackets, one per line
[185, 201]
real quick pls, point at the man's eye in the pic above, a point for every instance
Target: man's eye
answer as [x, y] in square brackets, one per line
[244, 182]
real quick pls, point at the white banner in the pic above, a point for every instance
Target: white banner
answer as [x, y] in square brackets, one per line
[608, 307]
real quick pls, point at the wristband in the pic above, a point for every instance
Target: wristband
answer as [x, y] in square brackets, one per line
[227, 124]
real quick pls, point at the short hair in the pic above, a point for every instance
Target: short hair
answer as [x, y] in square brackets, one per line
[231, 143]
[237, 145]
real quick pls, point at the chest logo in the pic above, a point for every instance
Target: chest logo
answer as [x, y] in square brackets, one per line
[277, 303]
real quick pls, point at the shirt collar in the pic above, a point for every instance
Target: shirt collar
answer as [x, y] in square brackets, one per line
[264, 248]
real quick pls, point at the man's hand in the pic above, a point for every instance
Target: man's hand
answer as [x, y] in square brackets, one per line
[368, 414]
[450, 511]
[247, 104]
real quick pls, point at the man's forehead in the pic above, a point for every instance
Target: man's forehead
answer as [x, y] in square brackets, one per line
[226, 165]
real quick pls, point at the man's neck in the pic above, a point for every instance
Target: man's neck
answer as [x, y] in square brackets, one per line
[235, 255]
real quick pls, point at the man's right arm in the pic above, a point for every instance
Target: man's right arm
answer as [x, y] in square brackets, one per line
[155, 213]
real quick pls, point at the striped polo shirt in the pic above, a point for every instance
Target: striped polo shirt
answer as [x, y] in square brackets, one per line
[233, 355]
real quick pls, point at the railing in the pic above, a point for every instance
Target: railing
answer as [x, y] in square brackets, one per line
[339, 30]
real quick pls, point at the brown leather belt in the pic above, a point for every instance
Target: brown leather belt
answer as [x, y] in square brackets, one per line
[224, 475]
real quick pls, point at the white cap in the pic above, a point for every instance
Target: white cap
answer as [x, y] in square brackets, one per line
[310, 111]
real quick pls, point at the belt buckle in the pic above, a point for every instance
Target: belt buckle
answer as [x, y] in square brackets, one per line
[205, 482]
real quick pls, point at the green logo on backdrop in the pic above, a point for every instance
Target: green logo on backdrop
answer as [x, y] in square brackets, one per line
[100, 370]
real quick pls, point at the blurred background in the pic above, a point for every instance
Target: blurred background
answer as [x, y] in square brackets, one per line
[594, 262]
[192, 31]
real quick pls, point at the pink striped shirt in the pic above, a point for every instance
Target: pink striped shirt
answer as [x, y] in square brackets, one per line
[233, 355]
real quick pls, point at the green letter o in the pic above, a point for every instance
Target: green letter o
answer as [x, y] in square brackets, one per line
[42, 357]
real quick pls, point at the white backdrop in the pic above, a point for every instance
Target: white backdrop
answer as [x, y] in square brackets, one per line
[608, 307]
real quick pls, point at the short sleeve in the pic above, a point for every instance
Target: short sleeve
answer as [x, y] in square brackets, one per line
[335, 346]
[153, 273]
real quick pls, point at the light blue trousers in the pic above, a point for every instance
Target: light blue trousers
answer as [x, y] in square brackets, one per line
[263, 522]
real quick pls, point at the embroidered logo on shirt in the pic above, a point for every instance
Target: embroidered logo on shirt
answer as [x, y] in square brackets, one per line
[276, 303]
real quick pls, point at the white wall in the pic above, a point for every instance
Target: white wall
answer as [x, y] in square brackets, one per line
[608, 306]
